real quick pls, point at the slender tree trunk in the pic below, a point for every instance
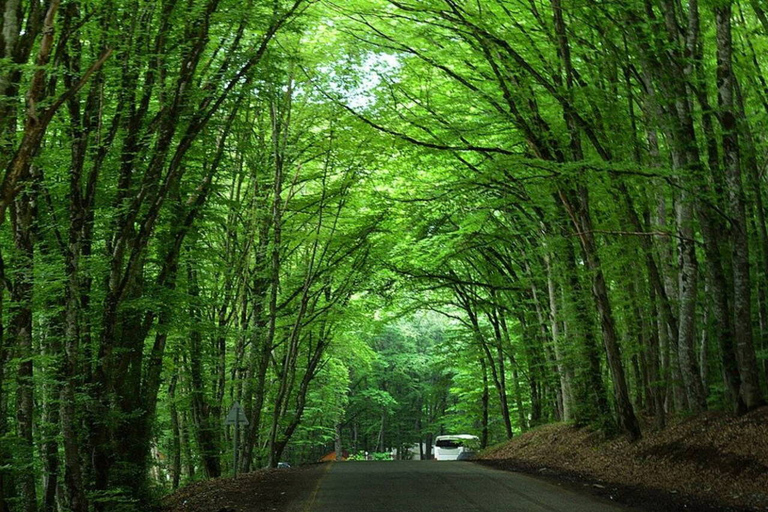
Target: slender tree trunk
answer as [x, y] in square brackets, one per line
[496, 371]
[382, 429]
[522, 418]
[51, 347]
[688, 278]
[590, 398]
[207, 431]
[275, 260]
[337, 446]
[484, 399]
[658, 329]
[582, 221]
[186, 445]
[22, 218]
[75, 307]
[175, 447]
[547, 342]
[564, 370]
[502, 376]
[5, 457]
[262, 341]
[704, 350]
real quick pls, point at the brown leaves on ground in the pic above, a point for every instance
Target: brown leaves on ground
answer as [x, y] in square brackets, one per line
[712, 458]
[265, 490]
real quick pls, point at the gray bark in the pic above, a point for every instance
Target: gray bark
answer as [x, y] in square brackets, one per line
[742, 304]
[564, 369]
[688, 278]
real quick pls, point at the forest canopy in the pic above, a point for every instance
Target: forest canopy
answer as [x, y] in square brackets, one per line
[367, 222]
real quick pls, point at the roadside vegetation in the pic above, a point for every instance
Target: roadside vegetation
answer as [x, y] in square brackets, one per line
[368, 222]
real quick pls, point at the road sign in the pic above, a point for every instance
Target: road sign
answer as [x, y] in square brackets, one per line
[236, 416]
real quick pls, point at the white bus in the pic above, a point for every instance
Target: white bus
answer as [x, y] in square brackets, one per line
[455, 447]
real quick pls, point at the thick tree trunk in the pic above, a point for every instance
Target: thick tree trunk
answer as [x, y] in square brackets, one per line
[750, 159]
[742, 304]
[583, 227]
[718, 288]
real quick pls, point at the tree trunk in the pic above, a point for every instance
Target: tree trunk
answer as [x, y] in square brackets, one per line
[759, 219]
[186, 445]
[484, 399]
[590, 400]
[742, 304]
[654, 363]
[704, 350]
[22, 216]
[688, 278]
[5, 457]
[579, 212]
[50, 419]
[496, 371]
[337, 446]
[175, 447]
[262, 339]
[564, 370]
[207, 431]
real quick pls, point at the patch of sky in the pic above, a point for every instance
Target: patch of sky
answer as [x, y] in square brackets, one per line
[355, 84]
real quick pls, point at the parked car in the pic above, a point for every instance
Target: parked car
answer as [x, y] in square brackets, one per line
[455, 447]
[281, 465]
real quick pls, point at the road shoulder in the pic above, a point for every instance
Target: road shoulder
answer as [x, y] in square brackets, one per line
[268, 490]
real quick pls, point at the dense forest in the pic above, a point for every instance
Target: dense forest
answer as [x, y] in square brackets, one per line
[368, 222]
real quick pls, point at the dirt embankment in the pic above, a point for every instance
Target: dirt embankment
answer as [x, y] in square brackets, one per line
[709, 462]
[268, 490]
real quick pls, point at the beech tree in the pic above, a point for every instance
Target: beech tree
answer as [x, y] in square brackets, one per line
[369, 223]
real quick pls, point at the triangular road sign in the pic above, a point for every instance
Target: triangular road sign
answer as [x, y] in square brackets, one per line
[236, 416]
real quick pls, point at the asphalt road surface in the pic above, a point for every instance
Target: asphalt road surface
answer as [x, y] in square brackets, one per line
[415, 486]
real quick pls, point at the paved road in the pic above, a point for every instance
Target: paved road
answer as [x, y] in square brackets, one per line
[416, 486]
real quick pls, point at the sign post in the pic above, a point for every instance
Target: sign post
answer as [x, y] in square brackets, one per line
[235, 417]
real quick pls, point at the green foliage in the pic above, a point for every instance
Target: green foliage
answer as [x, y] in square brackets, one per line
[369, 222]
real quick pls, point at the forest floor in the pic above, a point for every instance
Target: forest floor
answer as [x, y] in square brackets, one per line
[711, 462]
[267, 490]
